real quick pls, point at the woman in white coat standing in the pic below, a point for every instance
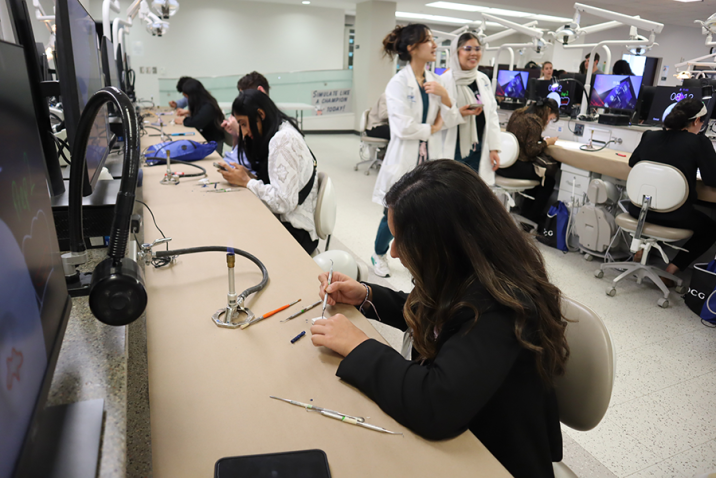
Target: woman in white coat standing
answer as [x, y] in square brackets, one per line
[419, 106]
[476, 139]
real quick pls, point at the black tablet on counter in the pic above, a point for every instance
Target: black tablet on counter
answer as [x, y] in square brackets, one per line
[291, 464]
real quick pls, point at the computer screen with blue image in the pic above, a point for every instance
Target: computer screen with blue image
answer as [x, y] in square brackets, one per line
[512, 84]
[615, 91]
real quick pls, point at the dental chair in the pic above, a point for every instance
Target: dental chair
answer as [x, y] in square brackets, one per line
[370, 144]
[509, 151]
[659, 188]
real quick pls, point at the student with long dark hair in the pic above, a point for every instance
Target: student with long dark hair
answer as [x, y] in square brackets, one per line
[204, 113]
[527, 125]
[285, 168]
[486, 323]
[419, 106]
[680, 145]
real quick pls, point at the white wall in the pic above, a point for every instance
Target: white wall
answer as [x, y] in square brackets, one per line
[225, 37]
[676, 44]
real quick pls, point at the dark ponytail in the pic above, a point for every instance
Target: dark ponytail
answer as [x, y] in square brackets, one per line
[398, 41]
[683, 114]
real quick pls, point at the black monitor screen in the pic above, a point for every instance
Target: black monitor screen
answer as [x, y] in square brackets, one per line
[666, 97]
[33, 295]
[80, 73]
[109, 65]
[121, 69]
[615, 91]
[512, 84]
[563, 92]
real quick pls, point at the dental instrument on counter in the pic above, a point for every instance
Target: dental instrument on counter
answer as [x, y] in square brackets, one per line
[269, 314]
[360, 421]
[298, 337]
[224, 190]
[325, 296]
[302, 311]
[169, 176]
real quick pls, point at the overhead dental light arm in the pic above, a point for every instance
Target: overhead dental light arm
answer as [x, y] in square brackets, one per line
[504, 33]
[709, 29]
[529, 31]
[635, 21]
[42, 16]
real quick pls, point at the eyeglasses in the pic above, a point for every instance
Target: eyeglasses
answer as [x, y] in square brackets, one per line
[470, 49]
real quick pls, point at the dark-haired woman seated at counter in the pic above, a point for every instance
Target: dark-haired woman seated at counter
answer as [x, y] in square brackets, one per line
[680, 145]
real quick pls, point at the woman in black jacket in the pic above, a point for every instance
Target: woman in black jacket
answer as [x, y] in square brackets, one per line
[204, 113]
[486, 323]
[680, 145]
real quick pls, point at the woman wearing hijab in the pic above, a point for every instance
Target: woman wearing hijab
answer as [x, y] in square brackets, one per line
[476, 140]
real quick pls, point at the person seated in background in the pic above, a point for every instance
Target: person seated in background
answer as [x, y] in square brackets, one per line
[680, 145]
[557, 74]
[527, 125]
[285, 167]
[377, 126]
[585, 65]
[181, 104]
[546, 71]
[205, 114]
[531, 65]
[621, 67]
[488, 331]
[252, 81]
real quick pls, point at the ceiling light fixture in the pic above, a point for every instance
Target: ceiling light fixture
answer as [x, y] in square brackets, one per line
[434, 18]
[689, 1]
[306, 2]
[496, 11]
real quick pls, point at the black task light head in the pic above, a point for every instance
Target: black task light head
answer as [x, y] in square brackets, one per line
[117, 295]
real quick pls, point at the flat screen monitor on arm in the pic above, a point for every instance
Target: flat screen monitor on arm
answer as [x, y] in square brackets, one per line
[80, 73]
[512, 84]
[619, 92]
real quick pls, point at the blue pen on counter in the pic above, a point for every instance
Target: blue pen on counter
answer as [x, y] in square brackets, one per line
[182, 134]
[296, 338]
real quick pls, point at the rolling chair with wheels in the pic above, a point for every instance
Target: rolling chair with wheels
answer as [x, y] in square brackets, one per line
[585, 389]
[326, 206]
[372, 145]
[653, 187]
[509, 151]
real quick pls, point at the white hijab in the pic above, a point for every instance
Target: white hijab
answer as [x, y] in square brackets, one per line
[465, 96]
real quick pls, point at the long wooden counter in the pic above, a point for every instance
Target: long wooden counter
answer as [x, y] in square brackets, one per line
[209, 387]
[610, 163]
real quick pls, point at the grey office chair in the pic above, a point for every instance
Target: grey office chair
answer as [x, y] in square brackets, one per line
[369, 144]
[585, 390]
[653, 187]
[509, 151]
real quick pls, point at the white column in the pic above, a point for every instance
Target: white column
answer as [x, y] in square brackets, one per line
[371, 70]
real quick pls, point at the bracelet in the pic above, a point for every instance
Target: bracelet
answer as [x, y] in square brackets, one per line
[367, 293]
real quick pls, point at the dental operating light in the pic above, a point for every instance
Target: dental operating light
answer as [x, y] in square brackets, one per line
[165, 8]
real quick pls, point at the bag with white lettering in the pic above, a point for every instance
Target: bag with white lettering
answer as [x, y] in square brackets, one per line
[701, 297]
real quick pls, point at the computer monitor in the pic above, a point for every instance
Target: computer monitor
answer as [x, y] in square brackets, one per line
[42, 62]
[121, 69]
[25, 37]
[702, 82]
[563, 92]
[512, 84]
[34, 303]
[80, 74]
[109, 65]
[645, 66]
[619, 92]
[666, 97]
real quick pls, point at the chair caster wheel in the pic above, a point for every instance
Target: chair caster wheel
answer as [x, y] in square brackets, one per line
[588, 257]
[663, 303]
[682, 289]
[355, 168]
[611, 292]
[367, 173]
[599, 273]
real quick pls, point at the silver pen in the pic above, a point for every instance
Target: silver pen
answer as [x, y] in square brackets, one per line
[325, 297]
[353, 421]
[310, 407]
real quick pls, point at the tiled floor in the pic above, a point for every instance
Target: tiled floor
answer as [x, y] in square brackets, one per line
[662, 418]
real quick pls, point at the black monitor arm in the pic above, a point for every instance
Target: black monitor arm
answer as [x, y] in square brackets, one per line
[116, 288]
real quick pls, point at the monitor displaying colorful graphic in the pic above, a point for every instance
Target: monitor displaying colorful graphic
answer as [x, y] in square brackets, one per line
[665, 98]
[512, 84]
[615, 91]
[562, 92]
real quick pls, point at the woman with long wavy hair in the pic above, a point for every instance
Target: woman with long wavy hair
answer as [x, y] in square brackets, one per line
[486, 323]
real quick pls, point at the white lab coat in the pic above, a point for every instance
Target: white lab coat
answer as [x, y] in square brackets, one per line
[491, 135]
[405, 114]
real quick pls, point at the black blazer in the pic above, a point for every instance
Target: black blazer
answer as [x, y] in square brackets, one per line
[685, 151]
[481, 380]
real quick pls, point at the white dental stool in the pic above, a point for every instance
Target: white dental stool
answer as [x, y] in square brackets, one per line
[509, 151]
[653, 187]
[372, 145]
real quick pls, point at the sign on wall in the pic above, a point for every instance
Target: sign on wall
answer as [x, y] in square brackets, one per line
[330, 102]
